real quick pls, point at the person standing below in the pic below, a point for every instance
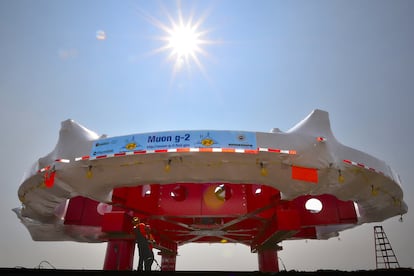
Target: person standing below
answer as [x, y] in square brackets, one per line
[146, 256]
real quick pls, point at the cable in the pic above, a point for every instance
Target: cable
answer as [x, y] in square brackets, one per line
[44, 261]
[158, 265]
[284, 267]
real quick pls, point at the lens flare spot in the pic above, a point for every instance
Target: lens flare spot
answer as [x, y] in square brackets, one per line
[210, 198]
[100, 35]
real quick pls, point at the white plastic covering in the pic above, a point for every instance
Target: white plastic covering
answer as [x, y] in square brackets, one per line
[362, 178]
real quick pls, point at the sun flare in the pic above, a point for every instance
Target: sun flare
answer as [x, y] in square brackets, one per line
[183, 40]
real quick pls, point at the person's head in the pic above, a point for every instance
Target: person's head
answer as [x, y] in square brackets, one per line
[135, 220]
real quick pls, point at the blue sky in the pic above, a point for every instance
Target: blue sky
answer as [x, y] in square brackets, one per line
[267, 64]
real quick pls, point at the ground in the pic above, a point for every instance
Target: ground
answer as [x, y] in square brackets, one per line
[25, 271]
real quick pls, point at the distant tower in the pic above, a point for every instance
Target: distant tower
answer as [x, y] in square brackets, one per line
[384, 255]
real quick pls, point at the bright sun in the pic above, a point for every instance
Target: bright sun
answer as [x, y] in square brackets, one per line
[183, 40]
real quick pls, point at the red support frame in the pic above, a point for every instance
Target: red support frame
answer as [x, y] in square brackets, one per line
[181, 213]
[119, 254]
[268, 261]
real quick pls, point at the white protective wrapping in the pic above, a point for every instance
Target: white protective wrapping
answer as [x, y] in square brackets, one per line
[369, 182]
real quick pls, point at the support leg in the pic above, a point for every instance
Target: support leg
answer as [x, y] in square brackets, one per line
[169, 258]
[168, 262]
[119, 255]
[268, 261]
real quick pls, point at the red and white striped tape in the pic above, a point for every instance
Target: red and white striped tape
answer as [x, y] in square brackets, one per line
[61, 160]
[225, 150]
[278, 151]
[362, 166]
